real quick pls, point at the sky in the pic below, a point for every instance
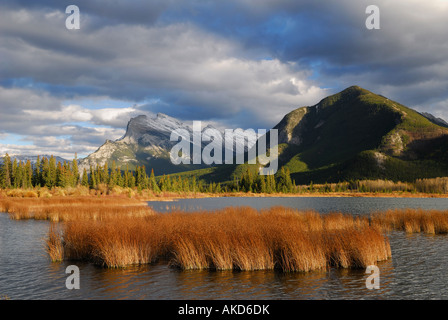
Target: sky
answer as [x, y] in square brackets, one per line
[234, 64]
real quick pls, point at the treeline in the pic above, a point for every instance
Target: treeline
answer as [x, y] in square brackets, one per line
[49, 173]
[282, 183]
[253, 182]
[45, 172]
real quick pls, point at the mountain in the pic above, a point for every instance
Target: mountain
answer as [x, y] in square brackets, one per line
[355, 134]
[33, 159]
[433, 119]
[146, 142]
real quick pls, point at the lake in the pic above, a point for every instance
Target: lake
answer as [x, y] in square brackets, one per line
[416, 270]
[353, 205]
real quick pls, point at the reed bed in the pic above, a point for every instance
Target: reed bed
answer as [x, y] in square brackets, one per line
[54, 245]
[229, 239]
[412, 220]
[73, 208]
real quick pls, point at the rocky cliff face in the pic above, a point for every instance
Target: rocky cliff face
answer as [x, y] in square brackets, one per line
[146, 142]
[152, 132]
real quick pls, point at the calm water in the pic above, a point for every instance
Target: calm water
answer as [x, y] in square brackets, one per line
[355, 205]
[416, 271]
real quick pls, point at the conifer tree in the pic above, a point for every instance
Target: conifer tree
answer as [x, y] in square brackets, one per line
[92, 182]
[152, 182]
[50, 174]
[28, 175]
[14, 174]
[60, 176]
[75, 171]
[5, 172]
[36, 173]
[85, 178]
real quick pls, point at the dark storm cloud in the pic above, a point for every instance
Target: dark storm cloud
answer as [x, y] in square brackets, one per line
[407, 57]
[101, 12]
[179, 64]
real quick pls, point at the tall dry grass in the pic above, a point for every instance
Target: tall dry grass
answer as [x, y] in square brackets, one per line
[54, 244]
[231, 238]
[72, 208]
[385, 186]
[412, 220]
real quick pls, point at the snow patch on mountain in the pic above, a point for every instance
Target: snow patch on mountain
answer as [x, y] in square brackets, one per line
[150, 135]
[33, 159]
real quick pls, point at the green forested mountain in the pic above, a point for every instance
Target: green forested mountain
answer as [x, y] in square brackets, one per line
[357, 134]
[354, 134]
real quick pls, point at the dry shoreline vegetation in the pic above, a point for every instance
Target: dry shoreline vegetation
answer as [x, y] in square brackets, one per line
[231, 238]
[73, 208]
[117, 232]
[412, 221]
[428, 188]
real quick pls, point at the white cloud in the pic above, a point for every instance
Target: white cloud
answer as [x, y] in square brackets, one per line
[178, 63]
[52, 127]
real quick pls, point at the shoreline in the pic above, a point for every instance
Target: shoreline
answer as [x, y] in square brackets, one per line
[169, 196]
[173, 197]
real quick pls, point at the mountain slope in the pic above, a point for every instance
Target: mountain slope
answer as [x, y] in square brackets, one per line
[355, 134]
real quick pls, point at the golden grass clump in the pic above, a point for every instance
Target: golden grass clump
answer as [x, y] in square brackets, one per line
[54, 245]
[30, 194]
[15, 193]
[412, 220]
[135, 244]
[230, 238]
[357, 247]
[73, 208]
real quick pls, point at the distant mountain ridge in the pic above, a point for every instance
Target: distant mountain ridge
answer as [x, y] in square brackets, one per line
[33, 159]
[433, 119]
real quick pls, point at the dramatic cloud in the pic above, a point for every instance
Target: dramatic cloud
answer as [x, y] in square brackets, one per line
[235, 63]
